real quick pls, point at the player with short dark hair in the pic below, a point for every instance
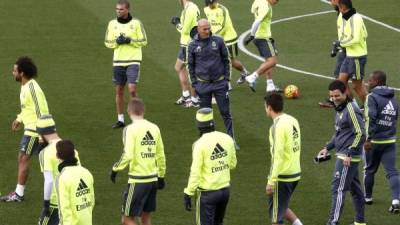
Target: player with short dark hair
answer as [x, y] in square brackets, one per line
[221, 25]
[285, 170]
[262, 36]
[381, 113]
[214, 155]
[74, 187]
[126, 36]
[348, 141]
[33, 105]
[144, 154]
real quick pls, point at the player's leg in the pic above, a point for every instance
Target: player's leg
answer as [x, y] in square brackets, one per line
[133, 75]
[372, 161]
[289, 214]
[233, 54]
[51, 219]
[392, 174]
[278, 203]
[205, 208]
[132, 206]
[221, 95]
[357, 82]
[221, 205]
[183, 75]
[119, 79]
[204, 91]
[150, 204]
[357, 194]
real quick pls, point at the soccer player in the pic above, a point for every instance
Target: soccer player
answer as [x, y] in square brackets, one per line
[262, 36]
[381, 112]
[126, 35]
[221, 25]
[74, 187]
[285, 171]
[348, 141]
[352, 35]
[33, 105]
[49, 162]
[184, 25]
[214, 155]
[144, 153]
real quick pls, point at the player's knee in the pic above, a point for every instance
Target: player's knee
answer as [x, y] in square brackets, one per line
[392, 173]
[272, 61]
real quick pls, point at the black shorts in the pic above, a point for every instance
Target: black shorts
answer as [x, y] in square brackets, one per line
[138, 198]
[266, 47]
[30, 145]
[182, 54]
[339, 60]
[354, 67]
[233, 50]
[123, 74]
[211, 206]
[52, 219]
[278, 203]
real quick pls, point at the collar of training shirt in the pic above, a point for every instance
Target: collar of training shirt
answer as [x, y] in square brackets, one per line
[349, 13]
[124, 21]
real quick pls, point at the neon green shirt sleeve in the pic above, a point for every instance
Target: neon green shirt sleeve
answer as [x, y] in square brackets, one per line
[195, 171]
[129, 147]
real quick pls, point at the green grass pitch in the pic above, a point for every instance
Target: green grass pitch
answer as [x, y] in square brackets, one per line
[65, 38]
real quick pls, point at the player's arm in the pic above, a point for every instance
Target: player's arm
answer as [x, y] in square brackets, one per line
[355, 124]
[191, 63]
[331, 143]
[160, 157]
[357, 30]
[110, 38]
[195, 170]
[232, 159]
[47, 174]
[139, 39]
[370, 116]
[39, 100]
[226, 60]
[225, 14]
[127, 155]
[64, 201]
[191, 16]
[277, 158]
[261, 13]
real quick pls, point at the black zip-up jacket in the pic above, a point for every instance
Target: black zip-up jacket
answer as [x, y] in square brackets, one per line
[208, 59]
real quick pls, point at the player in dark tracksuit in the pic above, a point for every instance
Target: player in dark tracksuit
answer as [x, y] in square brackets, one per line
[209, 69]
[348, 141]
[381, 111]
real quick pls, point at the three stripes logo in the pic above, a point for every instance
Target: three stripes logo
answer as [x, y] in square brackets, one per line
[148, 139]
[218, 152]
[295, 133]
[389, 109]
[82, 189]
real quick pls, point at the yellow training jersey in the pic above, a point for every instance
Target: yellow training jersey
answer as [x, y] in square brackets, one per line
[285, 147]
[221, 23]
[76, 196]
[143, 152]
[33, 105]
[262, 11]
[126, 54]
[352, 35]
[49, 162]
[189, 17]
[214, 155]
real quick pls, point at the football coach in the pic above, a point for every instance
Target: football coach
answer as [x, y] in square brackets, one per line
[209, 69]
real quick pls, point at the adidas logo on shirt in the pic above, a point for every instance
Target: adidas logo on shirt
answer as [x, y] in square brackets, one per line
[389, 109]
[82, 189]
[218, 152]
[148, 139]
[295, 133]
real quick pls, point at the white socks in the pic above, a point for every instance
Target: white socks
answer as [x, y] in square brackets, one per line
[195, 99]
[252, 77]
[121, 117]
[297, 222]
[270, 85]
[20, 190]
[185, 94]
[395, 202]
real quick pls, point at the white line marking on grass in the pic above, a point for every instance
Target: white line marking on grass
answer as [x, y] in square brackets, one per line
[244, 49]
[372, 20]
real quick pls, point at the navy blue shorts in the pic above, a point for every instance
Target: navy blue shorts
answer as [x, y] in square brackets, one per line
[182, 54]
[30, 145]
[123, 74]
[354, 67]
[52, 219]
[339, 61]
[233, 50]
[278, 202]
[138, 198]
[266, 47]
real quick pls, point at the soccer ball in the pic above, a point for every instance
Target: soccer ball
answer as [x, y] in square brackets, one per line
[291, 91]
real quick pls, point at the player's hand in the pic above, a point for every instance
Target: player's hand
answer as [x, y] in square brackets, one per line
[335, 48]
[121, 40]
[269, 189]
[347, 161]
[367, 146]
[248, 39]
[113, 176]
[323, 152]
[175, 20]
[160, 183]
[16, 125]
[46, 209]
[127, 40]
[187, 202]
